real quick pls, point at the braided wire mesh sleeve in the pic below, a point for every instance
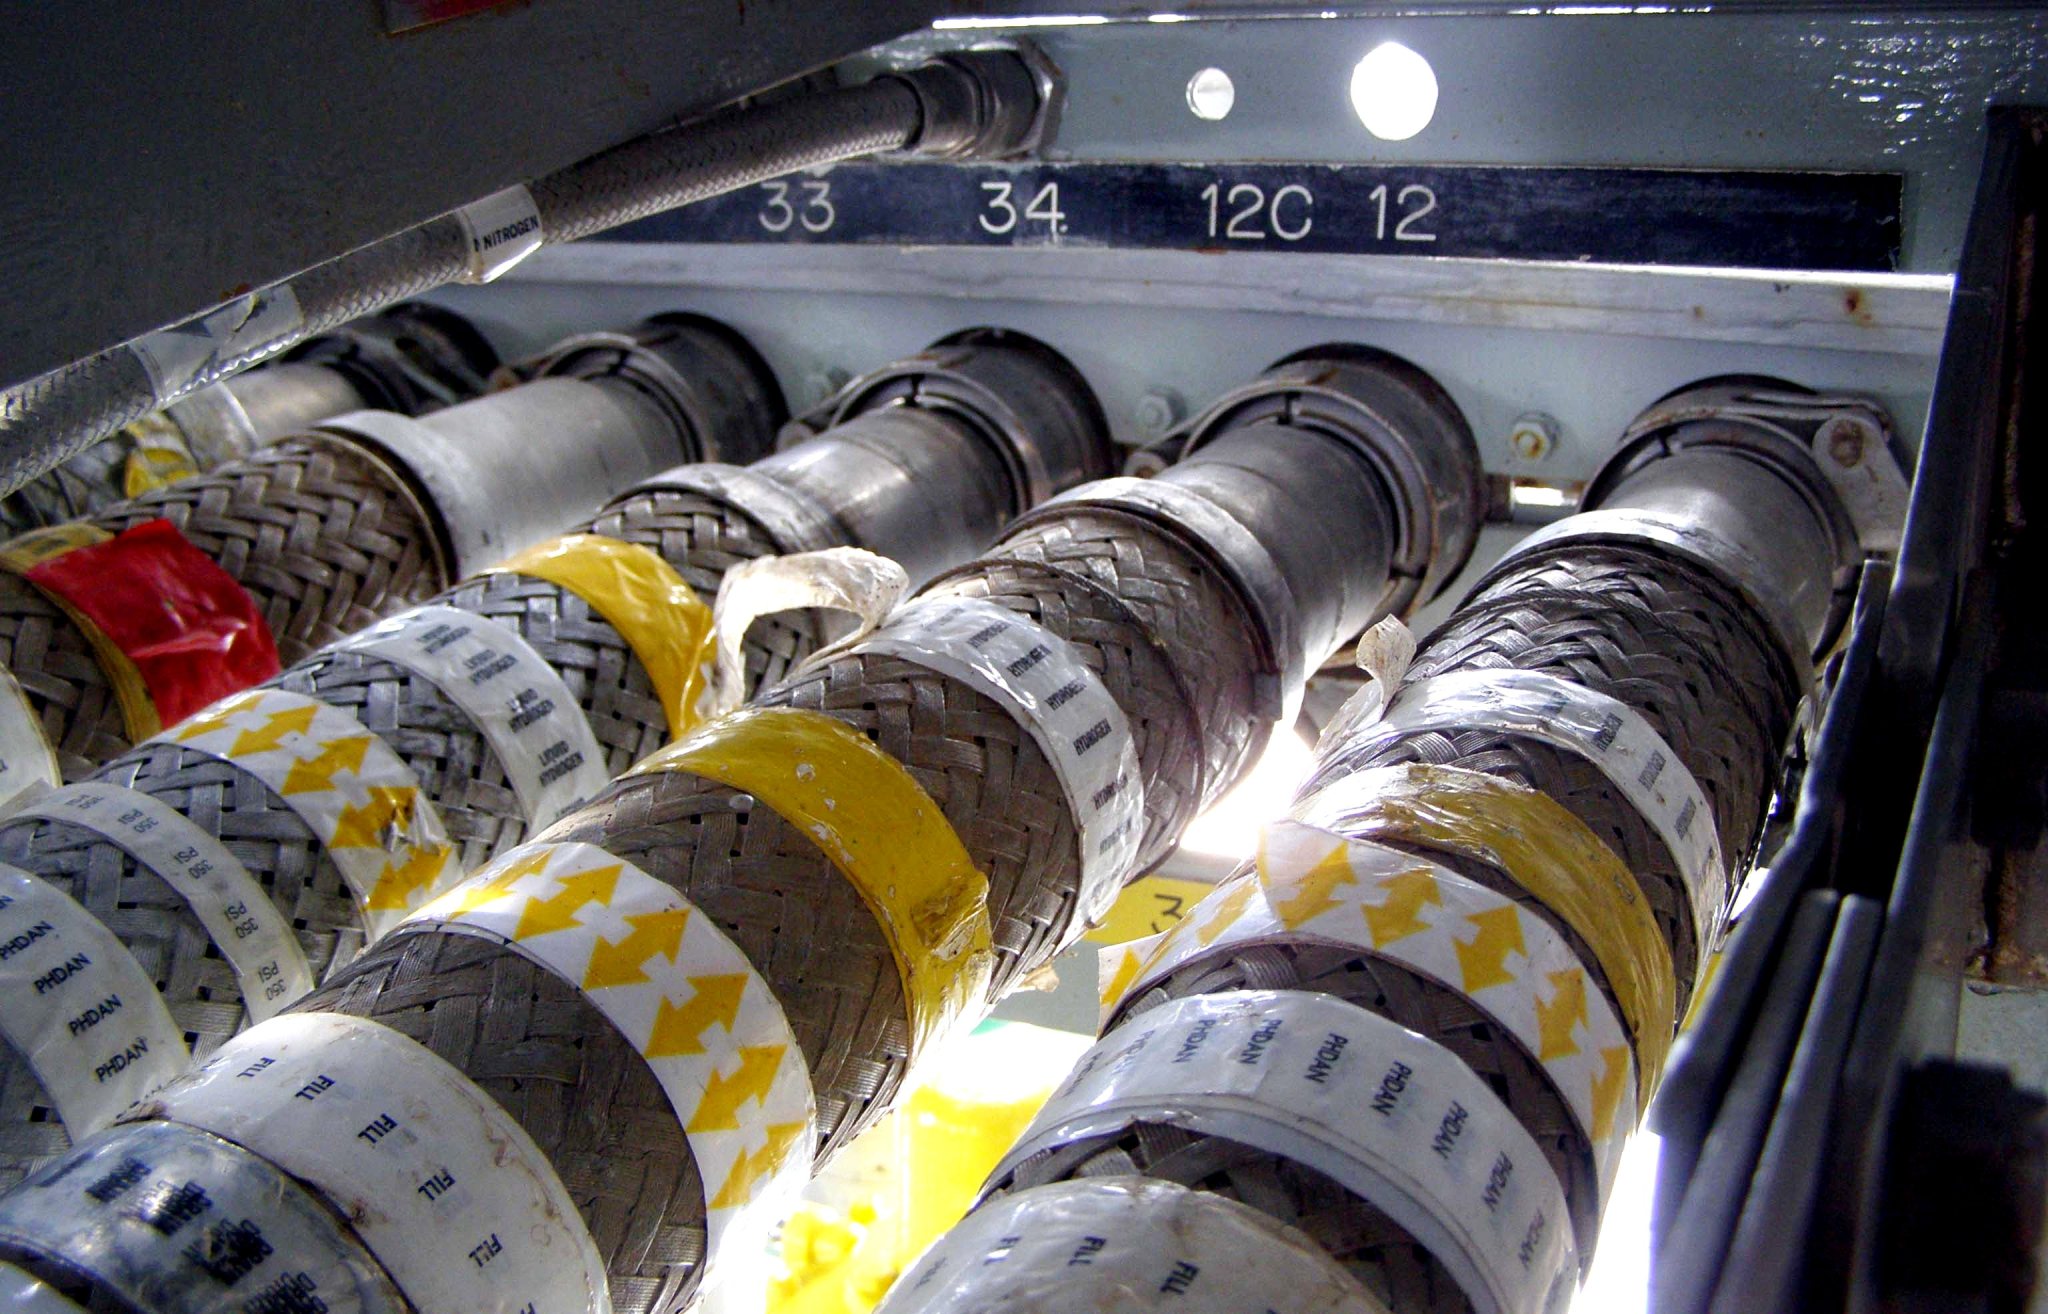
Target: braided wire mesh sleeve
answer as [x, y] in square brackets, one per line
[1654, 632]
[1172, 645]
[80, 486]
[1372, 1247]
[1663, 636]
[1149, 590]
[228, 420]
[325, 537]
[702, 537]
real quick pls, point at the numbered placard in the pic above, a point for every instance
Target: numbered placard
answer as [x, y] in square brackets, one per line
[1754, 219]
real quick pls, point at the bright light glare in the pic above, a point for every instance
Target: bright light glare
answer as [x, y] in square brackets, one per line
[1539, 495]
[1211, 94]
[1620, 1280]
[1229, 829]
[1032, 20]
[1394, 91]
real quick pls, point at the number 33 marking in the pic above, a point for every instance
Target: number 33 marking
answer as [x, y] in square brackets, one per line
[817, 215]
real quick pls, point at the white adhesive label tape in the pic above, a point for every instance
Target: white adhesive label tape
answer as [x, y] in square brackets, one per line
[1072, 718]
[76, 1005]
[1606, 732]
[179, 1222]
[511, 693]
[246, 927]
[23, 1294]
[26, 761]
[1513, 965]
[503, 229]
[217, 343]
[456, 1201]
[357, 796]
[683, 995]
[1127, 1245]
[1394, 1117]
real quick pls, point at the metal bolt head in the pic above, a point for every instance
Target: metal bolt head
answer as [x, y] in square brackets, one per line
[1844, 441]
[1157, 411]
[1534, 436]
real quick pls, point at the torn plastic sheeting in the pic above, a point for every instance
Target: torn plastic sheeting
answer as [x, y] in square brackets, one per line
[835, 579]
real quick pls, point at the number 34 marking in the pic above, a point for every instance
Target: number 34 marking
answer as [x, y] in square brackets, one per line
[816, 215]
[999, 214]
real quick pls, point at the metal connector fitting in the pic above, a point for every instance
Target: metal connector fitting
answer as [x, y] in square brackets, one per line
[413, 358]
[1849, 441]
[1409, 432]
[708, 380]
[1802, 487]
[995, 103]
[1022, 397]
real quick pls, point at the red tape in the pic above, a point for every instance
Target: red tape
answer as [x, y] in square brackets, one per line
[194, 634]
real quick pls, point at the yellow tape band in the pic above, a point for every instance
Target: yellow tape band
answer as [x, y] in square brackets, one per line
[1542, 847]
[22, 554]
[659, 615]
[158, 457]
[878, 827]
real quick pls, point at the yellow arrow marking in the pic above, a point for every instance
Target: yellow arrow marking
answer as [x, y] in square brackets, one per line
[678, 1026]
[719, 1110]
[363, 827]
[1120, 980]
[658, 933]
[1555, 1020]
[1399, 915]
[271, 733]
[400, 882]
[752, 1166]
[557, 911]
[495, 883]
[213, 718]
[1607, 1090]
[312, 774]
[1484, 961]
[1227, 910]
[1298, 898]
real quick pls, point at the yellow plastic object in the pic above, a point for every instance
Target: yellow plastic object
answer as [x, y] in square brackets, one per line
[24, 553]
[654, 609]
[878, 827]
[159, 456]
[1148, 906]
[912, 1176]
[1543, 848]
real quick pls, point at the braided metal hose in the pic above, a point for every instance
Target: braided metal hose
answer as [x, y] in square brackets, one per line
[323, 533]
[723, 400]
[331, 530]
[1664, 623]
[977, 104]
[1195, 646]
[703, 521]
[411, 359]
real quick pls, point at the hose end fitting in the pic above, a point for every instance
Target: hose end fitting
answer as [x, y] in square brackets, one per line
[413, 358]
[705, 378]
[1748, 461]
[1025, 400]
[1408, 430]
[989, 103]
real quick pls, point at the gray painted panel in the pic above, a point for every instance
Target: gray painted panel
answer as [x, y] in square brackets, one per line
[162, 157]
